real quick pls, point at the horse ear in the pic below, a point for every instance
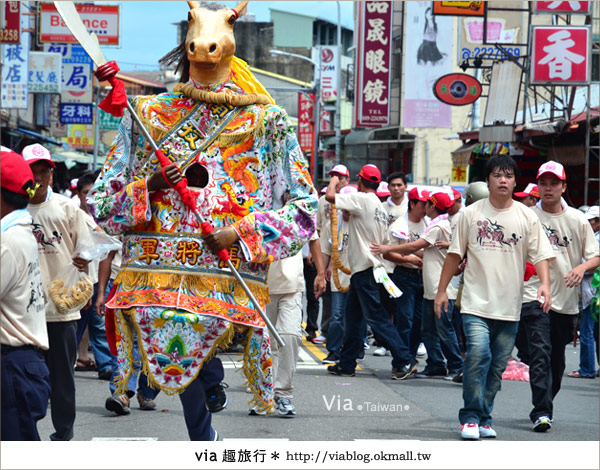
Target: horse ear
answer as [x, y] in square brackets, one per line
[193, 5]
[241, 9]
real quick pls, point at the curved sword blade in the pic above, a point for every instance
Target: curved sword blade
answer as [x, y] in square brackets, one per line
[88, 41]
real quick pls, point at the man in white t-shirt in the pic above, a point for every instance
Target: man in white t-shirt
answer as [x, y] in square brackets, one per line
[438, 334]
[25, 384]
[368, 224]
[397, 204]
[498, 235]
[572, 239]
[58, 224]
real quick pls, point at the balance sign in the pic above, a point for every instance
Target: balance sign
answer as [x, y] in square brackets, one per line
[560, 55]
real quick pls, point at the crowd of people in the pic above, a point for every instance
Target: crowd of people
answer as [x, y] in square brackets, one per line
[399, 268]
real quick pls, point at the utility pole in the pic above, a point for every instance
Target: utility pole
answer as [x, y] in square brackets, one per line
[338, 101]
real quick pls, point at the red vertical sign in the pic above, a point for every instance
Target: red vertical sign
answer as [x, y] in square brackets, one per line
[306, 122]
[374, 63]
[11, 30]
[560, 55]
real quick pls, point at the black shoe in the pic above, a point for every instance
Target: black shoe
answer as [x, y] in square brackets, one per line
[310, 335]
[432, 372]
[330, 359]
[361, 355]
[337, 370]
[216, 398]
[105, 374]
[458, 378]
[405, 371]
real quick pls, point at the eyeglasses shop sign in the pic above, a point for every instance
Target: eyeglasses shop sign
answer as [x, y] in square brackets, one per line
[103, 20]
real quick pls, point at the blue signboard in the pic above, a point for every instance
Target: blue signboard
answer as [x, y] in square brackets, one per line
[76, 72]
[76, 113]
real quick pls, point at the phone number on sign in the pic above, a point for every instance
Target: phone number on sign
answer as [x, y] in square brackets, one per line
[490, 52]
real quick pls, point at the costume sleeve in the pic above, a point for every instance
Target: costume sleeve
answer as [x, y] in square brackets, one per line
[118, 200]
[281, 231]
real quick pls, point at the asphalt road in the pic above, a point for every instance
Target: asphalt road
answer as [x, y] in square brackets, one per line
[368, 406]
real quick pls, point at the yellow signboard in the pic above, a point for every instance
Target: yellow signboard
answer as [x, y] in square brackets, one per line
[459, 174]
[80, 136]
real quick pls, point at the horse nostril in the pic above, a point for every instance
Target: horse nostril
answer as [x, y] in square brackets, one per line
[213, 48]
[192, 47]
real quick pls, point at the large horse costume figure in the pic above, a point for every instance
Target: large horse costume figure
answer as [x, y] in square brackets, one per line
[242, 160]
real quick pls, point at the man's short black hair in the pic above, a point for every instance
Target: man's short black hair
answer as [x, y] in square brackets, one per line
[397, 175]
[85, 180]
[18, 201]
[369, 184]
[500, 163]
[410, 203]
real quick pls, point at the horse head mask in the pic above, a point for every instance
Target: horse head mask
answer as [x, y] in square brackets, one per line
[210, 44]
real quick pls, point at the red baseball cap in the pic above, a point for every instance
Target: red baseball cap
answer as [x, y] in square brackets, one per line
[370, 173]
[552, 167]
[340, 170]
[530, 190]
[16, 173]
[441, 200]
[418, 194]
[35, 153]
[456, 194]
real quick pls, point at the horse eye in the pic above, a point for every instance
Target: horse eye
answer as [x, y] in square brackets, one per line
[190, 16]
[231, 19]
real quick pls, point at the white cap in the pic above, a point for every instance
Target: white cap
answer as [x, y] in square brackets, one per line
[36, 152]
[340, 170]
[592, 213]
[553, 167]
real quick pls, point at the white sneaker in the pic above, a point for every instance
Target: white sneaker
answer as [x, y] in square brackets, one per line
[381, 351]
[542, 424]
[470, 431]
[319, 339]
[486, 432]
[421, 351]
[285, 407]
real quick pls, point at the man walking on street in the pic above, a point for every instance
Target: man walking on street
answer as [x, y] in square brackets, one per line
[572, 239]
[368, 223]
[498, 235]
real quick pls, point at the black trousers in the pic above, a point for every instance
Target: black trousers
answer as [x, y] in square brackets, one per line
[547, 337]
[25, 392]
[312, 303]
[60, 359]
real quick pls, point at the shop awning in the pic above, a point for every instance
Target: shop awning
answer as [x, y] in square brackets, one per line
[359, 137]
[21, 131]
[462, 155]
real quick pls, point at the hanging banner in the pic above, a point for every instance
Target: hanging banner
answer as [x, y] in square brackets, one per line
[15, 71]
[504, 27]
[11, 29]
[45, 72]
[306, 122]
[103, 20]
[108, 122]
[374, 64]
[427, 57]
[560, 55]
[459, 8]
[584, 8]
[328, 61]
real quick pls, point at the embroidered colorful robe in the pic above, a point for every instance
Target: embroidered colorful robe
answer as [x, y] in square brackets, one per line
[173, 294]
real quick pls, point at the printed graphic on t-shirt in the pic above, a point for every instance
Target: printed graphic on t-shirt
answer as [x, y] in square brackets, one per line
[554, 237]
[36, 299]
[41, 238]
[382, 217]
[491, 235]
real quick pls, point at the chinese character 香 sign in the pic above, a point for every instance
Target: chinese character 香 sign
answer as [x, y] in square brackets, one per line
[374, 64]
[560, 55]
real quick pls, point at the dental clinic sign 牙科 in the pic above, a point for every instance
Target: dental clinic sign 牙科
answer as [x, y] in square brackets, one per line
[103, 20]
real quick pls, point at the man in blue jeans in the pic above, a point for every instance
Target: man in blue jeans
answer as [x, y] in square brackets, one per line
[368, 224]
[498, 235]
[438, 334]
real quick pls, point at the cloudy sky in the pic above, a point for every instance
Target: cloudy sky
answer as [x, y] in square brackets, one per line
[147, 32]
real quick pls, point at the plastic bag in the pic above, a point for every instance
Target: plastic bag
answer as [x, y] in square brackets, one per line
[72, 289]
[516, 370]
